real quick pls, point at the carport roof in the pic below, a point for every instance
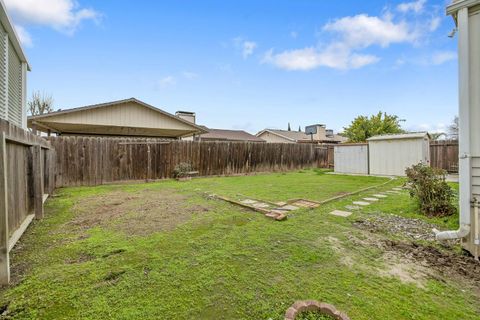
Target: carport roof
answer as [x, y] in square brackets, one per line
[137, 118]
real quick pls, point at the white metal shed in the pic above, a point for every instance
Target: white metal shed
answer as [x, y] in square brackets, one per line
[351, 158]
[390, 155]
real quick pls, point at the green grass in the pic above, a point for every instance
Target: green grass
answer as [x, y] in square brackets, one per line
[310, 184]
[226, 263]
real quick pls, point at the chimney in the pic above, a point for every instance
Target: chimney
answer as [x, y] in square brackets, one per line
[186, 115]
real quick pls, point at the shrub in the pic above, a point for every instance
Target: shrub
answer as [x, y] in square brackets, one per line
[429, 187]
[182, 169]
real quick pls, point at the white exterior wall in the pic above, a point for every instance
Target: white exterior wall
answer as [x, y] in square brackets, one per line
[13, 73]
[391, 157]
[351, 159]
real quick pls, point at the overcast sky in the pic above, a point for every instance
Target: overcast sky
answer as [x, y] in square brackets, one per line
[247, 64]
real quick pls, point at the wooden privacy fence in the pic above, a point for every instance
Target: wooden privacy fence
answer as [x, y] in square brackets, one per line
[98, 160]
[27, 176]
[444, 155]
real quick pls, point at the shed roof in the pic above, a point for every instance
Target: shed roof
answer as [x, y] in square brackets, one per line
[230, 135]
[411, 135]
[129, 117]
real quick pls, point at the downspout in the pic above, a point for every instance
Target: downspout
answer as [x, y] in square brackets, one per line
[464, 132]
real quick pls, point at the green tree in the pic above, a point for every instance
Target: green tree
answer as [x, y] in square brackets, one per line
[364, 127]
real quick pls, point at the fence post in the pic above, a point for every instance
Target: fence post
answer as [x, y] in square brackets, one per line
[37, 182]
[4, 257]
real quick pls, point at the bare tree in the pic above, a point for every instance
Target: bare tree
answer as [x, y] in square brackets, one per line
[40, 104]
[453, 129]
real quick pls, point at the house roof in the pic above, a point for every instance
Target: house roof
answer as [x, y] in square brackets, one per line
[76, 121]
[13, 36]
[230, 135]
[289, 135]
[411, 135]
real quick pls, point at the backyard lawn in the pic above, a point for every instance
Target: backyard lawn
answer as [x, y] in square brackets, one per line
[167, 250]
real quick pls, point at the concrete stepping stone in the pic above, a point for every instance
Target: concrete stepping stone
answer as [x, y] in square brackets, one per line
[260, 205]
[370, 199]
[281, 203]
[392, 192]
[290, 207]
[340, 213]
[249, 201]
[380, 195]
[361, 203]
[352, 207]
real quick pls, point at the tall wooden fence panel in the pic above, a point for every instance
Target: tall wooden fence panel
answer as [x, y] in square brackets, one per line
[444, 155]
[27, 174]
[98, 160]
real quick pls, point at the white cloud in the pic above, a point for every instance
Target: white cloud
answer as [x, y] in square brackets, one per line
[335, 57]
[190, 75]
[434, 24]
[361, 31]
[443, 56]
[62, 15]
[353, 34]
[168, 81]
[430, 127]
[24, 36]
[294, 34]
[247, 47]
[415, 6]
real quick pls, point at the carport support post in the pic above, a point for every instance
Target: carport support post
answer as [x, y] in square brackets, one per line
[37, 181]
[4, 258]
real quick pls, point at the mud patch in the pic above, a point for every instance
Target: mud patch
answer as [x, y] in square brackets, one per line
[449, 264]
[142, 213]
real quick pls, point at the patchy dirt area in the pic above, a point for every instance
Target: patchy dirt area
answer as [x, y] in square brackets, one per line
[140, 213]
[450, 265]
[412, 262]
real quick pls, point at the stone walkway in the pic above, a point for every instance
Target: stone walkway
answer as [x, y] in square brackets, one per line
[356, 205]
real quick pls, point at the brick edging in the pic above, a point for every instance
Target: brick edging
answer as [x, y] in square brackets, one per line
[312, 305]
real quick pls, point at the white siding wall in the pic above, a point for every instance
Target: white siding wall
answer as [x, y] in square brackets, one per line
[351, 159]
[15, 88]
[3, 73]
[12, 82]
[392, 157]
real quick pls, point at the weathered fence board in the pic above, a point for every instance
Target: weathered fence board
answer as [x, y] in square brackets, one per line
[98, 160]
[444, 155]
[26, 172]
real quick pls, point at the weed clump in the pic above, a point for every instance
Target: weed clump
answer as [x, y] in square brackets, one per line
[428, 185]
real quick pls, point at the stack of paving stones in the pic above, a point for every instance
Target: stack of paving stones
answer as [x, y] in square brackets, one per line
[356, 205]
[278, 210]
[314, 306]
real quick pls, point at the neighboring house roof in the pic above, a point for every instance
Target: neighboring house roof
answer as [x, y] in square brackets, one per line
[229, 135]
[13, 36]
[289, 135]
[129, 117]
[412, 135]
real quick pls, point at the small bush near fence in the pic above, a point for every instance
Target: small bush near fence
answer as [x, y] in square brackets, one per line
[182, 170]
[429, 187]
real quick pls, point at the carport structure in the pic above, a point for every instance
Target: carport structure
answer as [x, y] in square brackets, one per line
[129, 117]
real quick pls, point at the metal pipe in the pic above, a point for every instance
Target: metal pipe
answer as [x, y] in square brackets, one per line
[465, 166]
[477, 231]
